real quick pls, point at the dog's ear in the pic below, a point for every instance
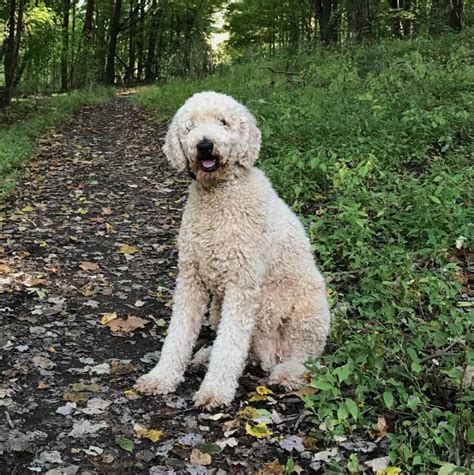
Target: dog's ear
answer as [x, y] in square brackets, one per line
[172, 147]
[249, 145]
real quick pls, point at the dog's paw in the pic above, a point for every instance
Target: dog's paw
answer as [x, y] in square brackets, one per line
[154, 385]
[210, 398]
[202, 357]
[289, 375]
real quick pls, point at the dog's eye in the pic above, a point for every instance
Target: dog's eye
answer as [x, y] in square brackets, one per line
[223, 122]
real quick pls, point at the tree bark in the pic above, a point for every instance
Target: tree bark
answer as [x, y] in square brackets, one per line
[112, 49]
[65, 46]
[327, 30]
[12, 50]
[132, 42]
[141, 41]
[359, 24]
[150, 57]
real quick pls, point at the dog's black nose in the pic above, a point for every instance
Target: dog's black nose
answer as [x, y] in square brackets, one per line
[205, 146]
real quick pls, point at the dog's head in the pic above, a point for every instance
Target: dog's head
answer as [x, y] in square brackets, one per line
[212, 136]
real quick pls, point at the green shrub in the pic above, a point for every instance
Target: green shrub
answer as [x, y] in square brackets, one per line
[373, 148]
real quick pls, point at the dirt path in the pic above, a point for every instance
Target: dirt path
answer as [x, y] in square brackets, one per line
[91, 231]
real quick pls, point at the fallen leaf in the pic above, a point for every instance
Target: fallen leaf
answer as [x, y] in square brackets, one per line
[272, 468]
[4, 269]
[85, 427]
[124, 443]
[78, 387]
[218, 416]
[151, 434]
[131, 393]
[377, 464]
[89, 266]
[127, 326]
[260, 394]
[230, 442]
[121, 367]
[27, 209]
[292, 442]
[127, 249]
[42, 385]
[200, 458]
[208, 448]
[259, 430]
[108, 317]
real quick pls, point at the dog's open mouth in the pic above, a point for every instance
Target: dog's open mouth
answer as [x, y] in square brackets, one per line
[209, 164]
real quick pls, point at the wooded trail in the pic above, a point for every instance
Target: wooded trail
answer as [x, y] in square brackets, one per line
[88, 263]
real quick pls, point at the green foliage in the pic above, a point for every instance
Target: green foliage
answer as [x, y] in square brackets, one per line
[17, 141]
[373, 148]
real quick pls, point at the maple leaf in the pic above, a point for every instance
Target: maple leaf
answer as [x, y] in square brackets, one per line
[127, 326]
[89, 265]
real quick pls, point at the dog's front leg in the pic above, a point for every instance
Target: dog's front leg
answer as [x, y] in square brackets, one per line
[190, 303]
[230, 349]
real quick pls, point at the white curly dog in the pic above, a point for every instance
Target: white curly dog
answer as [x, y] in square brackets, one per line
[240, 243]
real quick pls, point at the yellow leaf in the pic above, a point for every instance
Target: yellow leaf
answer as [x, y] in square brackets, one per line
[52, 349]
[263, 390]
[108, 317]
[131, 393]
[151, 434]
[260, 394]
[27, 209]
[259, 431]
[127, 249]
[389, 471]
[82, 210]
[43, 244]
[42, 385]
[248, 412]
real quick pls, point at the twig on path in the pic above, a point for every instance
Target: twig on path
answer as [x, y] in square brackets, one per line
[9, 420]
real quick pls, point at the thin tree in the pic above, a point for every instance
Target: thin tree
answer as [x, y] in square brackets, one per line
[12, 49]
[65, 46]
[112, 48]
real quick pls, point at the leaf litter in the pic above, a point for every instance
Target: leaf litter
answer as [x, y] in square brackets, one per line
[87, 269]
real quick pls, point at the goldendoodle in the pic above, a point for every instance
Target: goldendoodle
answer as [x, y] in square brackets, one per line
[242, 245]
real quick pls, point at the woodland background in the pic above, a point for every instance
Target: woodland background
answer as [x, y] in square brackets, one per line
[49, 45]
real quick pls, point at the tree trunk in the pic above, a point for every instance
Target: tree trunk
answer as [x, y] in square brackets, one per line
[88, 22]
[114, 32]
[327, 30]
[12, 49]
[141, 41]
[65, 46]
[359, 19]
[150, 57]
[446, 13]
[132, 43]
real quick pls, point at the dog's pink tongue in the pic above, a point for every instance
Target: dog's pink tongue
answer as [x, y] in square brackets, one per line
[208, 163]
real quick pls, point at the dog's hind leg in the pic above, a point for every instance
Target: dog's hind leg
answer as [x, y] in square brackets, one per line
[301, 336]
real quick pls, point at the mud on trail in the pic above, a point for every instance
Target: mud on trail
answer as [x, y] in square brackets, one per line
[87, 268]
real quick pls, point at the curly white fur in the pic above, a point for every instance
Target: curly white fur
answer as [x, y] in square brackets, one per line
[240, 243]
